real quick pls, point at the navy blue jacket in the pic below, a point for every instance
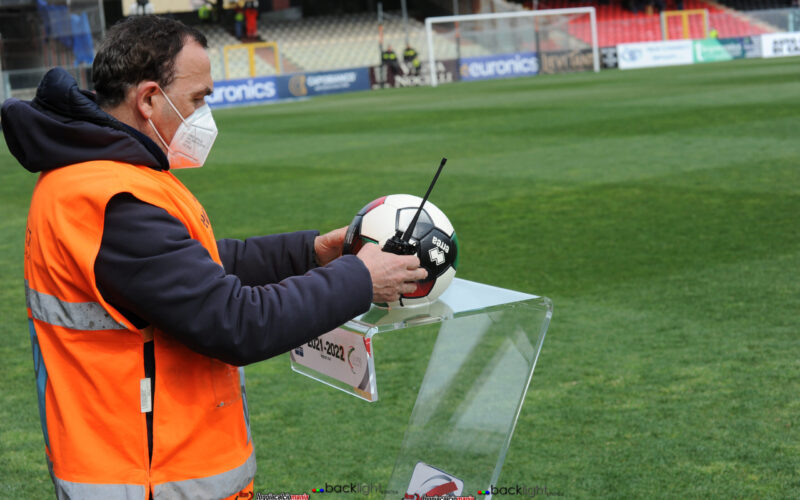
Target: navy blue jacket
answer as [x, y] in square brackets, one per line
[268, 296]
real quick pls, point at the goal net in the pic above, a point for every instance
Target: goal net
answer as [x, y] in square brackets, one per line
[514, 43]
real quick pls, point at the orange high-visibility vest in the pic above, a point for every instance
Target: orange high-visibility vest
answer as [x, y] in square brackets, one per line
[89, 359]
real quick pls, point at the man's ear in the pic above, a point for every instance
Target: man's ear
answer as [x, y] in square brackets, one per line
[143, 96]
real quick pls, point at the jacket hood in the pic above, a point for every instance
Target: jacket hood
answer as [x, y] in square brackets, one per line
[63, 125]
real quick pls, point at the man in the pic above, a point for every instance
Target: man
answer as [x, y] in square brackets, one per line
[251, 19]
[138, 316]
[141, 8]
[411, 59]
[238, 19]
[391, 67]
[205, 12]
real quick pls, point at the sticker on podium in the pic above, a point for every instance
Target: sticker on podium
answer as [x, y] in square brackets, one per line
[427, 481]
[340, 354]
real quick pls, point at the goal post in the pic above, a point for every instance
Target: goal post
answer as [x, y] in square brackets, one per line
[686, 17]
[246, 53]
[520, 33]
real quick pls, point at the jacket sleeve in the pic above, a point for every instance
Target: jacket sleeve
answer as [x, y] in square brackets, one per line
[152, 271]
[268, 259]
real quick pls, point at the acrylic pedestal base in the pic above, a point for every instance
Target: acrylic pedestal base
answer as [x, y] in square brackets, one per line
[471, 395]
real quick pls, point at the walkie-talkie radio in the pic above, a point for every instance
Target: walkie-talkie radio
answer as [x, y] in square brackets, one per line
[400, 243]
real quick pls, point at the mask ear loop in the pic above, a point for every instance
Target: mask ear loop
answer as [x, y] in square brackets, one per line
[169, 101]
[159, 135]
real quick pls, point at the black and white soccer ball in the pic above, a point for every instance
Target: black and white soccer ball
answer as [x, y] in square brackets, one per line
[434, 237]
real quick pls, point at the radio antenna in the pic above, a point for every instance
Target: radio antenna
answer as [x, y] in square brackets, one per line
[413, 224]
[400, 243]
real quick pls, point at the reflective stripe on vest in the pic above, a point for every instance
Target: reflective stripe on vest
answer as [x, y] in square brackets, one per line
[75, 315]
[67, 490]
[214, 487]
[218, 486]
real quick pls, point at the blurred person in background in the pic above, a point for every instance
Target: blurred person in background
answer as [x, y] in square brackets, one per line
[390, 65]
[251, 19]
[206, 13]
[141, 8]
[411, 60]
[238, 19]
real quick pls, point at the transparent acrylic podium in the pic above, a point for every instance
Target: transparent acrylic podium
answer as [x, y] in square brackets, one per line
[472, 392]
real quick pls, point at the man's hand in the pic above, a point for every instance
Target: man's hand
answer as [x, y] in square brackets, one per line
[329, 246]
[392, 275]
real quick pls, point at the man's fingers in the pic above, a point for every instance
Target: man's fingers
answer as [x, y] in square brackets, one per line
[412, 261]
[392, 275]
[336, 237]
[415, 272]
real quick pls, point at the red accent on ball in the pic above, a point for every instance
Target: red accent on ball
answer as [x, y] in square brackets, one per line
[357, 246]
[375, 203]
[422, 290]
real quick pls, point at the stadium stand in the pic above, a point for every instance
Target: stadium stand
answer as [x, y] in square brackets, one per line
[324, 43]
[348, 41]
[330, 42]
[757, 4]
[239, 62]
[616, 24]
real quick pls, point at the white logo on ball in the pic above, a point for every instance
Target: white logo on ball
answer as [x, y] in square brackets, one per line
[437, 256]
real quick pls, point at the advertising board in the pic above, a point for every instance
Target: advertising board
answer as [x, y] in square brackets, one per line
[711, 50]
[498, 66]
[780, 44]
[446, 72]
[650, 54]
[566, 61]
[608, 57]
[327, 82]
[725, 49]
[245, 91]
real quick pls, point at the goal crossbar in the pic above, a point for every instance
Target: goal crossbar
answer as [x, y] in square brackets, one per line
[430, 21]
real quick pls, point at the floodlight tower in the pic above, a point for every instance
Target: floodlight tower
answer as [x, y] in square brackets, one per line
[380, 26]
[457, 33]
[404, 7]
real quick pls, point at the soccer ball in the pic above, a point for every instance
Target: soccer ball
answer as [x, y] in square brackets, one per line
[434, 237]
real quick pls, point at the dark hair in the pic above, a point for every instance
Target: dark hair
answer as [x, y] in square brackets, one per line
[136, 49]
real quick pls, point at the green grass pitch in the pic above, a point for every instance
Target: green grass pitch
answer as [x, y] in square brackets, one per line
[657, 208]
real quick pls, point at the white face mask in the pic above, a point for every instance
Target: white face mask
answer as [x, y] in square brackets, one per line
[193, 140]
